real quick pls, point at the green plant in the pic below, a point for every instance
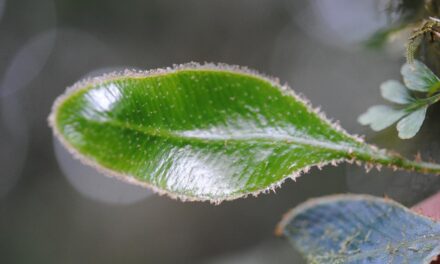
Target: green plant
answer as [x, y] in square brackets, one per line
[218, 132]
[205, 132]
[421, 90]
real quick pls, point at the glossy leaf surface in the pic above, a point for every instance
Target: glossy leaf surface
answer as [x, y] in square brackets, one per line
[360, 229]
[202, 132]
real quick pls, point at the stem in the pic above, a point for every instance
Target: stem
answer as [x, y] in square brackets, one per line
[423, 102]
[395, 161]
[432, 99]
[421, 166]
[435, 98]
[434, 89]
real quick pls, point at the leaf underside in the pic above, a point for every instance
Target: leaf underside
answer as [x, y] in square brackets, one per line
[360, 229]
[200, 132]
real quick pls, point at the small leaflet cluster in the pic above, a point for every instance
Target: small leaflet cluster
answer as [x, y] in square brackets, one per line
[420, 89]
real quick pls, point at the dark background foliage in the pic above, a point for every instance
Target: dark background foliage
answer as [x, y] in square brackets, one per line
[53, 210]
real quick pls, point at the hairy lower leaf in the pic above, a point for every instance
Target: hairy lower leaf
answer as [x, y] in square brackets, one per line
[360, 229]
[203, 132]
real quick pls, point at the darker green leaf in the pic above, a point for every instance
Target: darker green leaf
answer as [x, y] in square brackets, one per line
[382, 36]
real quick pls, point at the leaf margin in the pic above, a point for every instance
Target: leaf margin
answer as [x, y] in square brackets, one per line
[88, 83]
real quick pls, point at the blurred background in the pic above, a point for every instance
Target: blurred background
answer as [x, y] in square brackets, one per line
[55, 210]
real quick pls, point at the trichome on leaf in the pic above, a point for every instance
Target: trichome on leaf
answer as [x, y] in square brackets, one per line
[204, 132]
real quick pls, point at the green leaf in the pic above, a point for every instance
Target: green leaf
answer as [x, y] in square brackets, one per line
[379, 38]
[410, 125]
[360, 229]
[380, 117]
[203, 132]
[418, 77]
[383, 36]
[395, 92]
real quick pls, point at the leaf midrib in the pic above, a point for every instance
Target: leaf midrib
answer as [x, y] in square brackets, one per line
[276, 140]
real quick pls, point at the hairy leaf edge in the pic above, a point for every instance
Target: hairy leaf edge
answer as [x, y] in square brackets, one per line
[94, 81]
